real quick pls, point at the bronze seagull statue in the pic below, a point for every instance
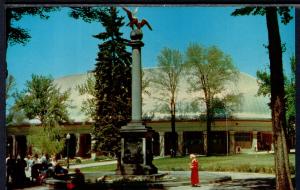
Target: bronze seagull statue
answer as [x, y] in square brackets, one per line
[133, 21]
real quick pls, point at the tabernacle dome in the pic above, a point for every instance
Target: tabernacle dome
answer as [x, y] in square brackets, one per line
[251, 107]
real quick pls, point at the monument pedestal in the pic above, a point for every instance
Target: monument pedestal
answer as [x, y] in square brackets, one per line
[136, 150]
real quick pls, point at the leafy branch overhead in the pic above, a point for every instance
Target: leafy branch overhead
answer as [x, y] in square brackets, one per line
[14, 33]
[283, 12]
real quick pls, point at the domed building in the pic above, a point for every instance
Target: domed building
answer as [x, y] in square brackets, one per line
[245, 128]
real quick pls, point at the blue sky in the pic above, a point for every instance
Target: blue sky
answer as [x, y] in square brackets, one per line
[63, 46]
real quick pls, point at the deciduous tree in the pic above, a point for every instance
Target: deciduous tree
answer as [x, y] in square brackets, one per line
[283, 177]
[43, 100]
[167, 79]
[210, 71]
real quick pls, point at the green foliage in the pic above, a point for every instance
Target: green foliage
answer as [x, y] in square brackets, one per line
[10, 84]
[42, 100]
[16, 34]
[78, 161]
[87, 14]
[210, 70]
[284, 12]
[264, 83]
[290, 89]
[88, 88]
[167, 78]
[112, 83]
[50, 140]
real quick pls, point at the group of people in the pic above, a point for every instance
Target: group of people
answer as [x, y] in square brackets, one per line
[15, 170]
[43, 167]
[24, 169]
[37, 169]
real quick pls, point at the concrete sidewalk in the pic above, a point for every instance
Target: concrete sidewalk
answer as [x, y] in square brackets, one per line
[209, 180]
[181, 176]
[102, 163]
[240, 181]
[93, 164]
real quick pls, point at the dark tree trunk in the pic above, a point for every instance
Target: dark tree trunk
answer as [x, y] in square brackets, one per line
[174, 136]
[208, 128]
[283, 178]
[8, 18]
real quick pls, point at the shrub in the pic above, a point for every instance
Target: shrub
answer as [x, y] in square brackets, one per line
[78, 161]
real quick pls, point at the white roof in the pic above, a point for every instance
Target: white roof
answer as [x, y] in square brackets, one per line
[252, 106]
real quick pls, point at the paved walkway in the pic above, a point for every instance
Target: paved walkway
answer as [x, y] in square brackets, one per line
[93, 164]
[240, 181]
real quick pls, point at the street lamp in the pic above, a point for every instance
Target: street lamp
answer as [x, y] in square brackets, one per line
[68, 142]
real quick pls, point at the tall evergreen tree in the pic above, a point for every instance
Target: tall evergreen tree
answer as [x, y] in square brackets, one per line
[113, 83]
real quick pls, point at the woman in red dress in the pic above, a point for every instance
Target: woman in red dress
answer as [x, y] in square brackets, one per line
[194, 168]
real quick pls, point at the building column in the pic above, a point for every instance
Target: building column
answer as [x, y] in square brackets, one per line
[93, 142]
[162, 143]
[272, 146]
[254, 141]
[205, 142]
[231, 142]
[14, 146]
[77, 135]
[81, 145]
[180, 143]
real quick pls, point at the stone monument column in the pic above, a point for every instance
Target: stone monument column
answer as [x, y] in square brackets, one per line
[136, 138]
[136, 82]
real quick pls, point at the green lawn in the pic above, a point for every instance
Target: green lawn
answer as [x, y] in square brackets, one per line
[261, 163]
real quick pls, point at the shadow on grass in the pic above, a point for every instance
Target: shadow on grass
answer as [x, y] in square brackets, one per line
[258, 184]
[253, 184]
[124, 186]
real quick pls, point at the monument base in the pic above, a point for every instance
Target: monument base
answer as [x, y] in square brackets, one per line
[136, 150]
